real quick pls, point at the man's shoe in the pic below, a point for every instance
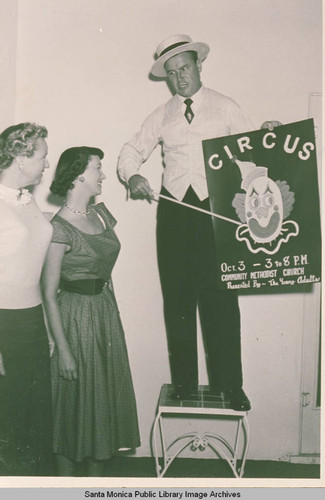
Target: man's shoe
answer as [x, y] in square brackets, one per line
[183, 391]
[238, 399]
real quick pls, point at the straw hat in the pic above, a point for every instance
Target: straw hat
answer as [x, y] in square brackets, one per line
[174, 45]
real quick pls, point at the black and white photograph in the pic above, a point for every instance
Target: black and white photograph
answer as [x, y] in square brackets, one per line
[160, 245]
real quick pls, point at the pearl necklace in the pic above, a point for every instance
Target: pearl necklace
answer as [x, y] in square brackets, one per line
[78, 212]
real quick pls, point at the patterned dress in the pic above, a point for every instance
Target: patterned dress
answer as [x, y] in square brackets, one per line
[94, 416]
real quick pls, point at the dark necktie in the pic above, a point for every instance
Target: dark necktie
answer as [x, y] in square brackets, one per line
[189, 115]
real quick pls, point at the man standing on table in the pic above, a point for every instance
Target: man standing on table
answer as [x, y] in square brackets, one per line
[185, 239]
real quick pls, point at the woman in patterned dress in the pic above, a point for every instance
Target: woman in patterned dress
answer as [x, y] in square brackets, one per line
[94, 409]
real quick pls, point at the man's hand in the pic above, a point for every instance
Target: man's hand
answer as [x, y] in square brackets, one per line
[140, 188]
[271, 124]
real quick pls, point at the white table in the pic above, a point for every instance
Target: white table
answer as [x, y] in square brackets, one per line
[201, 403]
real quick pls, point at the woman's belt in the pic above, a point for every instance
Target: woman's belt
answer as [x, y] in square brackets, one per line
[84, 287]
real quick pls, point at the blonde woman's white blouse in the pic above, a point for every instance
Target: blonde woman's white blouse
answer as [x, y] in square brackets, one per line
[25, 235]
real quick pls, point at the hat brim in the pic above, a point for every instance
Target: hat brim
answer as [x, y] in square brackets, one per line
[158, 68]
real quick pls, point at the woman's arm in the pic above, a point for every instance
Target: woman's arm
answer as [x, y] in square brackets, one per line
[49, 336]
[2, 368]
[50, 282]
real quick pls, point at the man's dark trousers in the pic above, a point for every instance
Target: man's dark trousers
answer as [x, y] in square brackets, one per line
[187, 267]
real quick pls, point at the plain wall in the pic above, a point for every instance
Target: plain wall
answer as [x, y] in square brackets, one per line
[8, 60]
[82, 70]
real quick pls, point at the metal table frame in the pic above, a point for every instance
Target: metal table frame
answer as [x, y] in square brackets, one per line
[219, 445]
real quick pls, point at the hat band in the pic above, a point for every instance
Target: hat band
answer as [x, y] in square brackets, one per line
[171, 47]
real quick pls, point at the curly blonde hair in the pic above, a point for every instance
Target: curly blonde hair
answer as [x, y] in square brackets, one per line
[19, 140]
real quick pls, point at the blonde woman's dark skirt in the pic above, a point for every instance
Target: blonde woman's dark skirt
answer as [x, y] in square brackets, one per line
[25, 394]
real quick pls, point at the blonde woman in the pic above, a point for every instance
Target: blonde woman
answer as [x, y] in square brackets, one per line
[25, 234]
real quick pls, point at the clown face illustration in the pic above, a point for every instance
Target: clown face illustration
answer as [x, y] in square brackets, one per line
[263, 209]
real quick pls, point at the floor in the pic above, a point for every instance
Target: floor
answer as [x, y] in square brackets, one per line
[187, 467]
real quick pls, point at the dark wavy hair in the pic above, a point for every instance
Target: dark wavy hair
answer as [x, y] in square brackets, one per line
[19, 140]
[72, 162]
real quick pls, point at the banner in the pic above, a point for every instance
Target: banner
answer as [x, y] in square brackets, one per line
[263, 186]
